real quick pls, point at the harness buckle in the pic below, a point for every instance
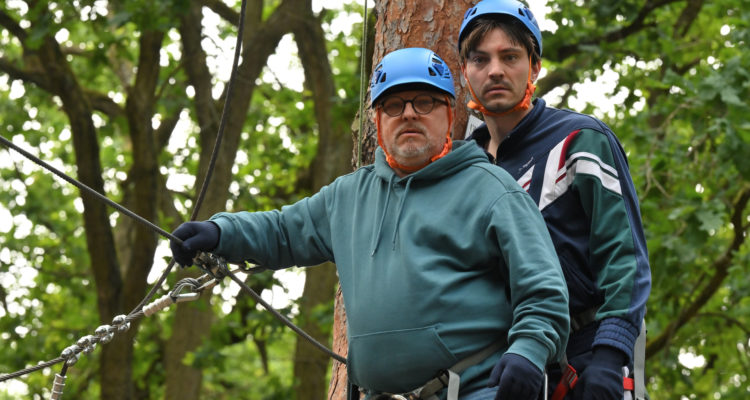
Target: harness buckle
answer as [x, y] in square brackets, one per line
[570, 376]
[568, 380]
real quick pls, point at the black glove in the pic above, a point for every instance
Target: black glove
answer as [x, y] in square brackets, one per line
[517, 377]
[602, 378]
[196, 236]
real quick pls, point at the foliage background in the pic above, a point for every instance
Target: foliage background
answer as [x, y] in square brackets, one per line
[674, 73]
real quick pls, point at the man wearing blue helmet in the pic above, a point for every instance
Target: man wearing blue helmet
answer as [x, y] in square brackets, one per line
[438, 286]
[576, 171]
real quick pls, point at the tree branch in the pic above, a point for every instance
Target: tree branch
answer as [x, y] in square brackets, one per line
[12, 26]
[638, 24]
[721, 266]
[31, 75]
[165, 130]
[101, 102]
[223, 10]
[730, 320]
[689, 14]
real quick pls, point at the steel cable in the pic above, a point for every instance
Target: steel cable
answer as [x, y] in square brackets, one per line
[29, 370]
[137, 311]
[87, 189]
[285, 320]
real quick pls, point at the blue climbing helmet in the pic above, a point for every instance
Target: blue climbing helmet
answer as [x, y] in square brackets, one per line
[410, 66]
[512, 8]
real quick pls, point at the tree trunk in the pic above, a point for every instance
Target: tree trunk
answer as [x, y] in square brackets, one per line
[192, 322]
[116, 356]
[332, 160]
[405, 23]
[310, 364]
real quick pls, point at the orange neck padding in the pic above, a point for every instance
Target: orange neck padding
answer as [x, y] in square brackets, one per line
[447, 147]
[522, 105]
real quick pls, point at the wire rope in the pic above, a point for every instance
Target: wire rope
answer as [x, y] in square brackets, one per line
[88, 189]
[362, 87]
[138, 310]
[285, 320]
[136, 313]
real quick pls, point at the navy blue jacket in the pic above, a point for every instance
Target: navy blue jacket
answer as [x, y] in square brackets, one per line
[576, 171]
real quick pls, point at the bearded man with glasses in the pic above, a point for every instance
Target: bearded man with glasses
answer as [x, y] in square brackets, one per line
[445, 264]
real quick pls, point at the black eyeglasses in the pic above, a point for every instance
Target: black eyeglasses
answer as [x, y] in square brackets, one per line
[422, 104]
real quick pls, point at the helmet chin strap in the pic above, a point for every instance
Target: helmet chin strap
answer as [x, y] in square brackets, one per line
[447, 146]
[522, 105]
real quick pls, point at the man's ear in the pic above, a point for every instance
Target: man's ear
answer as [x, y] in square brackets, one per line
[535, 68]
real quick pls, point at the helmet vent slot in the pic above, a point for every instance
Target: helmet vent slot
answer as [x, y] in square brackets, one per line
[438, 68]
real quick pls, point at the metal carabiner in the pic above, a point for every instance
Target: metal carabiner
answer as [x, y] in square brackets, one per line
[183, 297]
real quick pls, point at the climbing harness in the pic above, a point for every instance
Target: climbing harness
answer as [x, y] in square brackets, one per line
[448, 378]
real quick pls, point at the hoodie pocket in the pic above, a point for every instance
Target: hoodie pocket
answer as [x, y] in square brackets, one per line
[397, 361]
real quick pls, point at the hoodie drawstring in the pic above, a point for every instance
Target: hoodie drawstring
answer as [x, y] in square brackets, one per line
[376, 238]
[400, 209]
[379, 227]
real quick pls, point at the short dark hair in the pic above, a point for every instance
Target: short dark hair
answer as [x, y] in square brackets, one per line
[515, 29]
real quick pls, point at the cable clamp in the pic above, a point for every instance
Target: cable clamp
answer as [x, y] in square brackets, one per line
[70, 354]
[212, 264]
[181, 298]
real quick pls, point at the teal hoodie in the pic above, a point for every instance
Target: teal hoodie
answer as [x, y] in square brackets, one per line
[433, 267]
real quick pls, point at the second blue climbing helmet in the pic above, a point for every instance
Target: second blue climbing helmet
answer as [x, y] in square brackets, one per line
[512, 8]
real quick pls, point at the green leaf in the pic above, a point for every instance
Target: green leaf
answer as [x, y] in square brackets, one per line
[710, 220]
